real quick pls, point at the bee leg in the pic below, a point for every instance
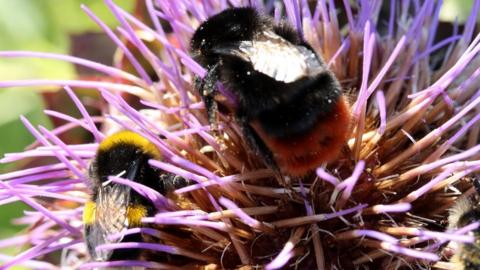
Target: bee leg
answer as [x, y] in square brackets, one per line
[207, 93]
[207, 89]
[258, 145]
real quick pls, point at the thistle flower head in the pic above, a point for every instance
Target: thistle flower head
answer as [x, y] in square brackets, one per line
[382, 205]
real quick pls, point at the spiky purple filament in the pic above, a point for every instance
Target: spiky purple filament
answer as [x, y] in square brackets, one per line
[66, 179]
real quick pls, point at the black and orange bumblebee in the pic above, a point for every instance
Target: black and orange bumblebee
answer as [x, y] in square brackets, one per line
[289, 105]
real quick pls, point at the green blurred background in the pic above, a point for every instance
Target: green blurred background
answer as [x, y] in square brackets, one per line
[50, 26]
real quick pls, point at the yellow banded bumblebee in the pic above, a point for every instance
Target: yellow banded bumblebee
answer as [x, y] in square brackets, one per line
[466, 211]
[289, 105]
[114, 207]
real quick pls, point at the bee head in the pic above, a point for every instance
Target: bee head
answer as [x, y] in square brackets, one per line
[126, 154]
[227, 27]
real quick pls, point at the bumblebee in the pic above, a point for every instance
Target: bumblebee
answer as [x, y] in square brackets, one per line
[290, 107]
[115, 207]
[465, 212]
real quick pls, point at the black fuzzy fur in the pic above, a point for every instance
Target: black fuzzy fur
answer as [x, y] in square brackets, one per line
[284, 110]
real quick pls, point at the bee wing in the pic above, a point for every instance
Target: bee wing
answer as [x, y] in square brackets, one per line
[274, 56]
[113, 203]
[110, 218]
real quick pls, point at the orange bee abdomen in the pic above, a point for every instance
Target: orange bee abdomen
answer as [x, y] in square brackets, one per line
[296, 156]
